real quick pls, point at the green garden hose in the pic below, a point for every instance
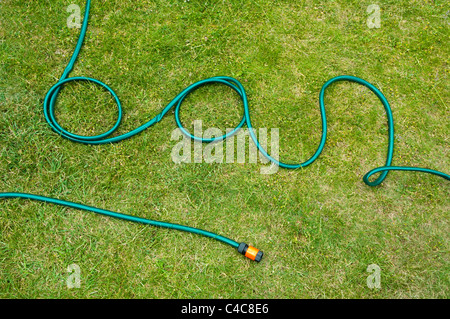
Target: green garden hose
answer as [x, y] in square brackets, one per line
[248, 251]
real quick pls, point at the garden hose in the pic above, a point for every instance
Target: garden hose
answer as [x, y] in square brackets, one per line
[104, 138]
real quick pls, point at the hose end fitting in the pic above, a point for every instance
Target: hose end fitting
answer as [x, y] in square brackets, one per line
[250, 252]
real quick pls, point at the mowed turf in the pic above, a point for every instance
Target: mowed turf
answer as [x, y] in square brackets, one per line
[320, 227]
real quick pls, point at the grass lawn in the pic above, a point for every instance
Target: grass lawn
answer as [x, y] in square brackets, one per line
[320, 227]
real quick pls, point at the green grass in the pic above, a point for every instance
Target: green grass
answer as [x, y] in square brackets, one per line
[320, 227]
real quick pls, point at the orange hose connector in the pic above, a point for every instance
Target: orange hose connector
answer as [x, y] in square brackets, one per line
[250, 252]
